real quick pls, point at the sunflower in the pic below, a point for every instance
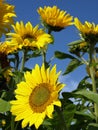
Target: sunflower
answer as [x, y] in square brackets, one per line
[7, 48]
[88, 31]
[3, 56]
[55, 18]
[4, 62]
[6, 17]
[36, 96]
[29, 36]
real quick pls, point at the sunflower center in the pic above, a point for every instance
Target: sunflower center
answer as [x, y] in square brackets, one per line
[39, 96]
[28, 36]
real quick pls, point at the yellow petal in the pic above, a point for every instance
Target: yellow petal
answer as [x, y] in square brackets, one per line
[59, 86]
[39, 120]
[37, 73]
[33, 119]
[57, 103]
[49, 110]
[23, 89]
[25, 123]
[43, 73]
[53, 75]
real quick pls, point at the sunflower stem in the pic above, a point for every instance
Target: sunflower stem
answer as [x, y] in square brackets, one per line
[44, 58]
[17, 61]
[12, 123]
[94, 90]
[49, 31]
[23, 61]
[61, 119]
[92, 73]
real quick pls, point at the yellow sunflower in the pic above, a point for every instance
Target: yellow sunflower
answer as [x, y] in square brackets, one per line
[7, 48]
[29, 36]
[55, 18]
[4, 62]
[3, 56]
[36, 96]
[88, 31]
[6, 17]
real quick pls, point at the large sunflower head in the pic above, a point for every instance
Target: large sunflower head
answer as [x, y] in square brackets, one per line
[29, 36]
[88, 31]
[6, 17]
[36, 96]
[55, 18]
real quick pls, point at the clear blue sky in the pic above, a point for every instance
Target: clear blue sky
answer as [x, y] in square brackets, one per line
[85, 10]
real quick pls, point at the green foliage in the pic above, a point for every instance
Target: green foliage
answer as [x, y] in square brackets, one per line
[62, 55]
[4, 106]
[89, 95]
[93, 126]
[75, 42]
[74, 63]
[78, 111]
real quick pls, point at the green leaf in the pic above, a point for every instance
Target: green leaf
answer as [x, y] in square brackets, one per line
[72, 65]
[47, 122]
[62, 55]
[85, 112]
[88, 94]
[68, 113]
[84, 83]
[4, 105]
[93, 126]
[75, 42]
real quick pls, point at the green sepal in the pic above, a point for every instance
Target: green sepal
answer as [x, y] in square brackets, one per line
[75, 42]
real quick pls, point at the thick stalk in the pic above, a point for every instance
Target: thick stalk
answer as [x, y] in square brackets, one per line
[23, 60]
[44, 57]
[12, 123]
[61, 119]
[17, 61]
[49, 31]
[92, 73]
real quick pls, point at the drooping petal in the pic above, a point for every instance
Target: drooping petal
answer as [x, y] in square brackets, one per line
[57, 103]
[49, 110]
[39, 120]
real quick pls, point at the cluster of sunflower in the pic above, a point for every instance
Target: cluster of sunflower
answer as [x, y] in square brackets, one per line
[39, 91]
[31, 96]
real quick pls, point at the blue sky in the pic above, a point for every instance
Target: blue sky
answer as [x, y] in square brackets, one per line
[85, 10]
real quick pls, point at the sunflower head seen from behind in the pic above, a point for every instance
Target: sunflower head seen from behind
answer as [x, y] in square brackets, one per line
[36, 96]
[54, 18]
[88, 31]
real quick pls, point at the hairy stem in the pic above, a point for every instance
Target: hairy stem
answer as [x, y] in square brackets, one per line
[61, 119]
[23, 60]
[12, 123]
[92, 73]
[44, 57]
